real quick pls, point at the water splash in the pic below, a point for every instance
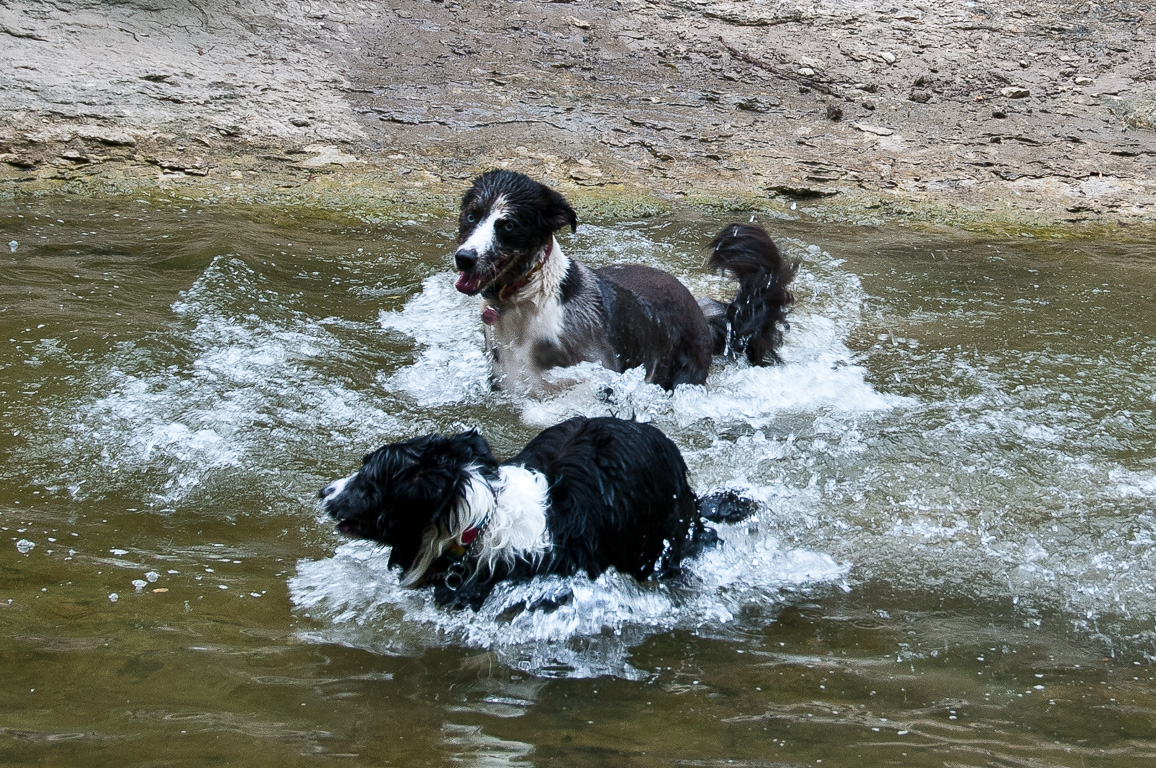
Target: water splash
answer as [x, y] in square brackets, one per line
[591, 626]
[230, 384]
[588, 628]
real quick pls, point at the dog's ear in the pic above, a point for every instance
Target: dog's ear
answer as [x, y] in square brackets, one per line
[466, 448]
[445, 460]
[557, 213]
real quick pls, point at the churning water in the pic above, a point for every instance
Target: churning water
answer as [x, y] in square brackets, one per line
[954, 464]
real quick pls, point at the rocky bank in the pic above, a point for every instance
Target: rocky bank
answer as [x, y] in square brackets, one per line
[966, 111]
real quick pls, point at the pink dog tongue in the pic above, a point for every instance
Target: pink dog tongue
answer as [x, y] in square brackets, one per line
[468, 285]
[489, 315]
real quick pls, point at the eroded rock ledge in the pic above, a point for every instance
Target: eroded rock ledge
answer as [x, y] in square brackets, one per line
[1024, 109]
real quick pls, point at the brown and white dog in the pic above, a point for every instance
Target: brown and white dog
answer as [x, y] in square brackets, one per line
[544, 310]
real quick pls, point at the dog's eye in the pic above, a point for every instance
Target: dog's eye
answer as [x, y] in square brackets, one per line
[471, 218]
[508, 226]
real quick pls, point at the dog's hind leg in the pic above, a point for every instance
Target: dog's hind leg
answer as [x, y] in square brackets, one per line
[726, 507]
[715, 313]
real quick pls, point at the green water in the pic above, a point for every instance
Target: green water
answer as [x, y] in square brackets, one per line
[953, 564]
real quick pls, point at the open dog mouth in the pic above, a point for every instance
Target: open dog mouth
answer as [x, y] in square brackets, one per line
[476, 280]
[470, 283]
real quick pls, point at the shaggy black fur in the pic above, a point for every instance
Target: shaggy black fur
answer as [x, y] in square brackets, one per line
[402, 488]
[753, 323]
[618, 498]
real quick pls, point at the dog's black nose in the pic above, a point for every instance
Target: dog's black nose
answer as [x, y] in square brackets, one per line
[466, 259]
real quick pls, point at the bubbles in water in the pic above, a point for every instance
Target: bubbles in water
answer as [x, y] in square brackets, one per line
[819, 371]
[574, 627]
[444, 324]
[232, 383]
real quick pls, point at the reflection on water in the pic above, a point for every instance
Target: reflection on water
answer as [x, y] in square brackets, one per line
[952, 559]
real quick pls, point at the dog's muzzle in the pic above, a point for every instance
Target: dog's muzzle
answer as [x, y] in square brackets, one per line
[469, 282]
[334, 489]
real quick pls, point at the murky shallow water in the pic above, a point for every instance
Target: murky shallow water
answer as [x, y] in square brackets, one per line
[953, 563]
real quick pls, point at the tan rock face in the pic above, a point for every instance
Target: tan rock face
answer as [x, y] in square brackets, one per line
[957, 100]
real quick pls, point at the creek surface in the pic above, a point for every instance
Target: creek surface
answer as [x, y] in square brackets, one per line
[952, 563]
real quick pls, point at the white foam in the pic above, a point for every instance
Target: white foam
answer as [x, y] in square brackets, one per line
[451, 366]
[242, 386]
[590, 633]
[593, 631]
[819, 371]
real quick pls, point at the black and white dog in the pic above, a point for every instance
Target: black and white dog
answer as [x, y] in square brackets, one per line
[583, 496]
[543, 310]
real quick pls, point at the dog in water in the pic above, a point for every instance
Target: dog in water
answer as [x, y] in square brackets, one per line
[543, 310]
[583, 496]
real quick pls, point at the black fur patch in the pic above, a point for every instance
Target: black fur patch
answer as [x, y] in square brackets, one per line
[404, 487]
[757, 316]
[620, 316]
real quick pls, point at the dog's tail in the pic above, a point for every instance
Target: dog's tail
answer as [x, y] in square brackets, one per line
[754, 322]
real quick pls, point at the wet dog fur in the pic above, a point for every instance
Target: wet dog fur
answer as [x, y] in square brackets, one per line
[544, 310]
[584, 496]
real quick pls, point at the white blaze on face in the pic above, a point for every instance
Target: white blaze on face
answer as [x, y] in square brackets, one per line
[334, 489]
[483, 239]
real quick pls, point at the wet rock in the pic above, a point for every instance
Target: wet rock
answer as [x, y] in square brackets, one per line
[178, 165]
[586, 173]
[326, 154]
[108, 136]
[875, 130]
[300, 122]
[919, 97]
[17, 161]
[1136, 112]
[1015, 92]
[757, 104]
[801, 189]
[998, 114]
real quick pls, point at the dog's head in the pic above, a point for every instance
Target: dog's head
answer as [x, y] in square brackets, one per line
[507, 219]
[416, 496]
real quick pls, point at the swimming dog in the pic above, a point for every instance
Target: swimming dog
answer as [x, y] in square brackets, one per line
[544, 310]
[583, 496]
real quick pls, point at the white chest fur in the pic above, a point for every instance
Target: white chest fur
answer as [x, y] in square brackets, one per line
[516, 528]
[530, 319]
